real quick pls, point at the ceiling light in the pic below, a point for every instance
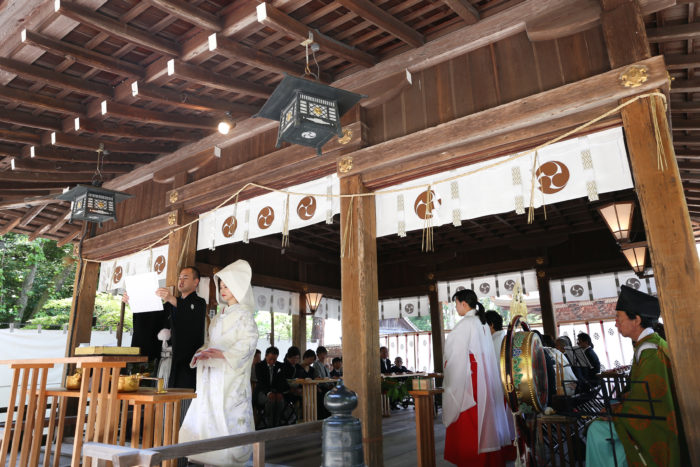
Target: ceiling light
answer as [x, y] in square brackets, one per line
[618, 217]
[313, 300]
[636, 254]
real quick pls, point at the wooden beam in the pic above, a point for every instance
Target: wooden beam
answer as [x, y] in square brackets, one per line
[67, 239]
[383, 91]
[683, 124]
[101, 128]
[83, 55]
[279, 21]
[53, 153]
[272, 282]
[39, 101]
[250, 56]
[52, 78]
[361, 326]
[189, 13]
[182, 248]
[299, 322]
[464, 10]
[36, 165]
[38, 232]
[682, 62]
[437, 328]
[194, 196]
[40, 178]
[679, 32]
[563, 101]
[16, 117]
[684, 86]
[30, 215]
[383, 20]
[684, 107]
[9, 225]
[4, 193]
[20, 137]
[218, 80]
[113, 27]
[82, 308]
[125, 240]
[151, 116]
[549, 319]
[124, 93]
[689, 166]
[686, 141]
[90, 143]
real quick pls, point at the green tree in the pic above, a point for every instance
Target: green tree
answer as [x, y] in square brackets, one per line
[31, 273]
[56, 313]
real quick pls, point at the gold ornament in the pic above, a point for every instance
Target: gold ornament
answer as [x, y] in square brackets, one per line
[347, 136]
[173, 197]
[172, 218]
[345, 164]
[541, 273]
[634, 76]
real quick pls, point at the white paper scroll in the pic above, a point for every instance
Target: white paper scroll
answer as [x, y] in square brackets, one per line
[141, 289]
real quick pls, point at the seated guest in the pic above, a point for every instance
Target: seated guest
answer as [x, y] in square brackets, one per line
[495, 322]
[384, 360]
[641, 441]
[320, 369]
[337, 371]
[398, 366]
[270, 387]
[305, 369]
[291, 359]
[584, 341]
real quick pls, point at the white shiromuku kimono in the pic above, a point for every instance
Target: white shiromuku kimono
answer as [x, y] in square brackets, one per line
[470, 336]
[224, 402]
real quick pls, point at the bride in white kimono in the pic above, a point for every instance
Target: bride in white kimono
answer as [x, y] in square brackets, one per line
[224, 405]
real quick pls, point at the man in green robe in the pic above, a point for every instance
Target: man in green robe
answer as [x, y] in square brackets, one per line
[649, 442]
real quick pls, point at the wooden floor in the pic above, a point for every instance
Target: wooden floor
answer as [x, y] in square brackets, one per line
[399, 444]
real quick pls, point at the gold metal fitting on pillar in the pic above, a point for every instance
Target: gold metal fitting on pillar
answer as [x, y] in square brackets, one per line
[634, 76]
[345, 165]
[173, 197]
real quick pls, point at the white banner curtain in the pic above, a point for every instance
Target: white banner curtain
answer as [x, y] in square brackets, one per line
[265, 215]
[562, 174]
[113, 272]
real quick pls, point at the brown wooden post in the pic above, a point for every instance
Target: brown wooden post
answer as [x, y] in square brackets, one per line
[436, 326]
[299, 324]
[182, 248]
[360, 317]
[665, 213]
[549, 320]
[83, 306]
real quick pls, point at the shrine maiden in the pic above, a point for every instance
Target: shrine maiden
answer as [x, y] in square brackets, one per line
[223, 404]
[472, 405]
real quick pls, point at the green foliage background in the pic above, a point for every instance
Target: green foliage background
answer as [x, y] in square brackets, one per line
[17, 257]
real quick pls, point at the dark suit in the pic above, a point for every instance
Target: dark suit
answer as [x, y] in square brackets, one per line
[386, 365]
[264, 384]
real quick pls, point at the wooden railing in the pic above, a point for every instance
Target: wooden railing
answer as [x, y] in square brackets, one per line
[122, 456]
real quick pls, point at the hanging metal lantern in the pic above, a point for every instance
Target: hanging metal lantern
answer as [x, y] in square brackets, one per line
[92, 203]
[309, 112]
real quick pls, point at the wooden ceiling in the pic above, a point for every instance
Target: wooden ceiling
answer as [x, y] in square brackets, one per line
[67, 83]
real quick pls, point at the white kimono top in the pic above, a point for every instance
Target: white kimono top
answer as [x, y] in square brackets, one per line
[224, 403]
[469, 336]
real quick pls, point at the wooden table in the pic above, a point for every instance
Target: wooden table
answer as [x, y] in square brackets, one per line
[425, 433]
[386, 403]
[23, 435]
[309, 396]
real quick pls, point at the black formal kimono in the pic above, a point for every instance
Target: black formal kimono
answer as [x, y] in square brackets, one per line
[265, 384]
[385, 365]
[187, 322]
[146, 328]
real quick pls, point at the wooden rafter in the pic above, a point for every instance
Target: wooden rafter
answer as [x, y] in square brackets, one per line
[86, 142]
[682, 62]
[102, 128]
[40, 101]
[17, 136]
[464, 10]
[83, 55]
[53, 78]
[53, 153]
[16, 117]
[275, 19]
[34, 165]
[116, 28]
[189, 13]
[42, 178]
[674, 33]
[189, 72]
[383, 20]
[242, 53]
[151, 116]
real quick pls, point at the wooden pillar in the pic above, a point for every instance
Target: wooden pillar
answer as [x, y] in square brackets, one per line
[360, 317]
[436, 327]
[549, 320]
[666, 219]
[182, 249]
[299, 324]
[83, 306]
